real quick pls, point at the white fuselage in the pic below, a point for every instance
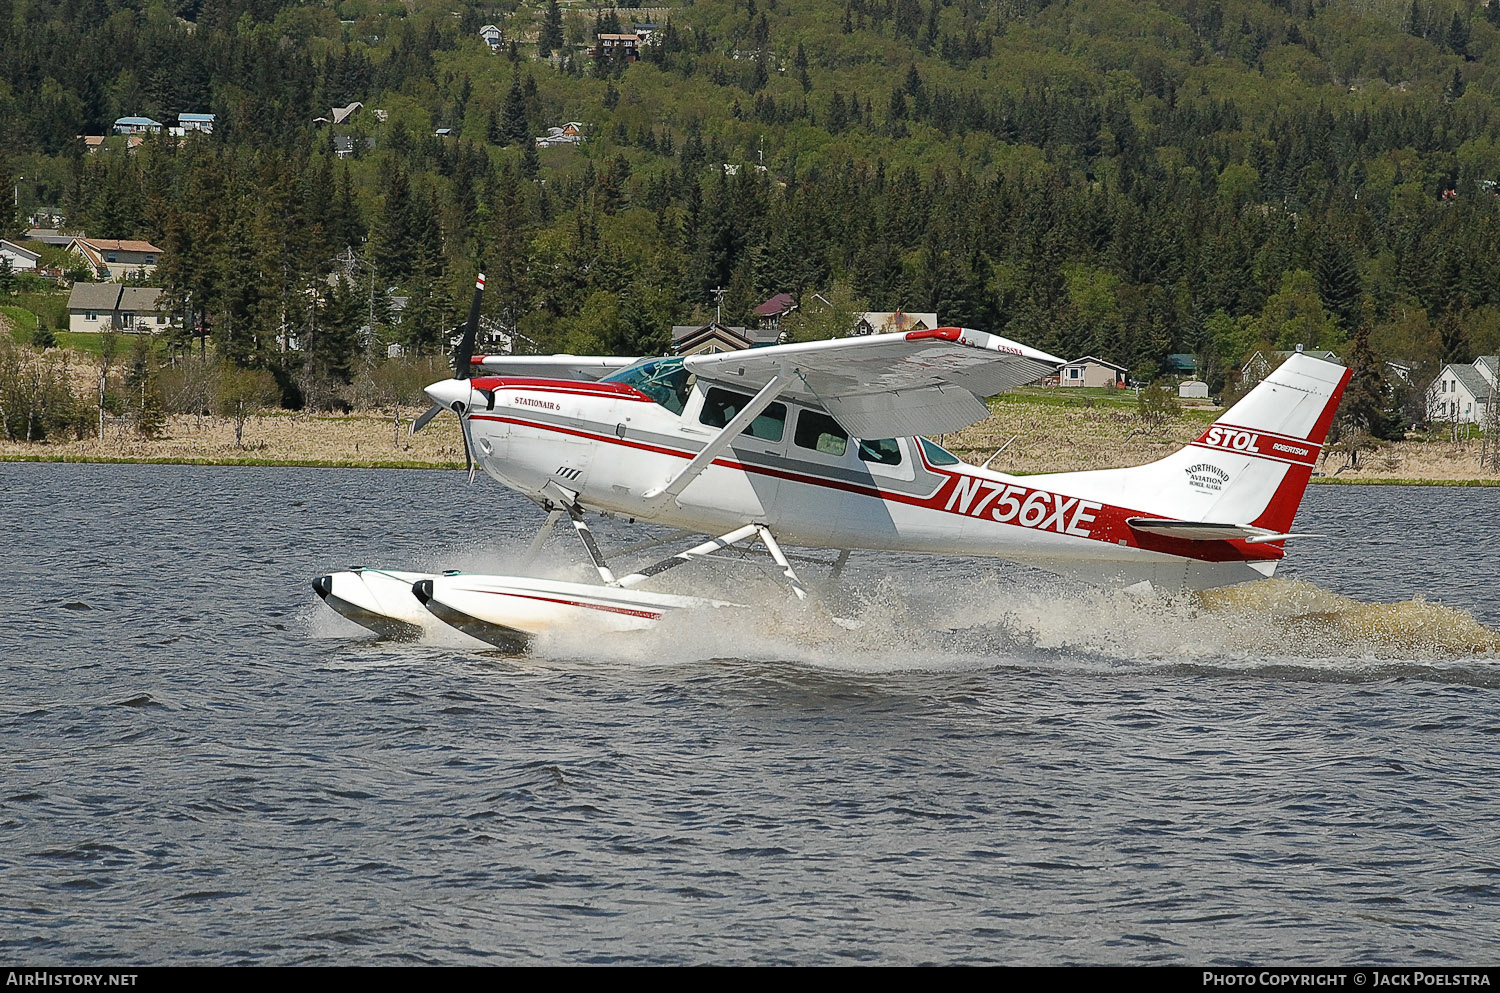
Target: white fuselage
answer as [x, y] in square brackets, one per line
[795, 473]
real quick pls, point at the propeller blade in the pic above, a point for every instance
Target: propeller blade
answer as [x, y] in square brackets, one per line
[461, 363]
[463, 429]
[429, 414]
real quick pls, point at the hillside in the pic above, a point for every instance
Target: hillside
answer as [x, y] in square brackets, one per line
[1095, 176]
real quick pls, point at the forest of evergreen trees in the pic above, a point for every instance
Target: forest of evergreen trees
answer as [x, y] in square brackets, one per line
[1124, 179]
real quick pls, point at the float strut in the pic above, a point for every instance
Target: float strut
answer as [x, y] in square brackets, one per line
[780, 559]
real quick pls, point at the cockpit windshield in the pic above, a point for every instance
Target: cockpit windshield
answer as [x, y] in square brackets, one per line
[663, 380]
[938, 455]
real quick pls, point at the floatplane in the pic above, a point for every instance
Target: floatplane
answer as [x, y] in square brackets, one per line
[824, 445]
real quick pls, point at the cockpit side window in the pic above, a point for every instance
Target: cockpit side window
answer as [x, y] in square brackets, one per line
[663, 380]
[885, 451]
[720, 406]
[820, 433]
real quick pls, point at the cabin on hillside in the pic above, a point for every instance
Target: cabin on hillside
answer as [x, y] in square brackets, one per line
[198, 123]
[770, 313]
[625, 46]
[136, 125]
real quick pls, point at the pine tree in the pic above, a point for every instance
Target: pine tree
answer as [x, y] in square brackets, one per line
[1367, 401]
[551, 37]
[1458, 35]
[393, 234]
[514, 126]
[1338, 282]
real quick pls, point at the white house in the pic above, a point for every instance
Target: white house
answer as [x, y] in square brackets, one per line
[202, 123]
[114, 259]
[570, 133]
[100, 307]
[22, 259]
[492, 36]
[1460, 392]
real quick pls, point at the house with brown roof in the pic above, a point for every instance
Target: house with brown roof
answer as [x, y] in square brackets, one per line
[626, 46]
[693, 339]
[114, 259]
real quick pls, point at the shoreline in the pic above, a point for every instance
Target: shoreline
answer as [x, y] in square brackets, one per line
[71, 458]
[1040, 436]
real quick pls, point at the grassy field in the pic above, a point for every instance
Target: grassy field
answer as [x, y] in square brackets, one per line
[1040, 429]
[19, 322]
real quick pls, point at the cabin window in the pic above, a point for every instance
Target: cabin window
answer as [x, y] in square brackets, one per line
[111, 257]
[720, 406]
[937, 454]
[91, 315]
[820, 433]
[885, 451]
[663, 380]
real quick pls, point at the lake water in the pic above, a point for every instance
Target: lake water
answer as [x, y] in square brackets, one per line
[200, 763]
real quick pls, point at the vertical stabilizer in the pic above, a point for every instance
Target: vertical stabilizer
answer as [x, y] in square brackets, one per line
[1250, 467]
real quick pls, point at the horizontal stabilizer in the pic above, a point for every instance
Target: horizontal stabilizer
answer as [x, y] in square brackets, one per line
[1209, 530]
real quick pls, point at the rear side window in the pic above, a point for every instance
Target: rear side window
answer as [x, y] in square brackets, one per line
[820, 433]
[885, 451]
[720, 406]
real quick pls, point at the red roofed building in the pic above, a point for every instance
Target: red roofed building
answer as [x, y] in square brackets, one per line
[770, 313]
[113, 259]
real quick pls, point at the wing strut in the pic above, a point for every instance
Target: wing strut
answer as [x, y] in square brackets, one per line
[722, 440]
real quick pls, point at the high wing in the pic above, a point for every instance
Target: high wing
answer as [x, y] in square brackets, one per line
[888, 385]
[590, 367]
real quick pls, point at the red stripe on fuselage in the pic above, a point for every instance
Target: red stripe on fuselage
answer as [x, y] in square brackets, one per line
[604, 391]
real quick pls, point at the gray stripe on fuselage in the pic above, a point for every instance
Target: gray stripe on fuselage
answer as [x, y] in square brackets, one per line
[924, 483]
